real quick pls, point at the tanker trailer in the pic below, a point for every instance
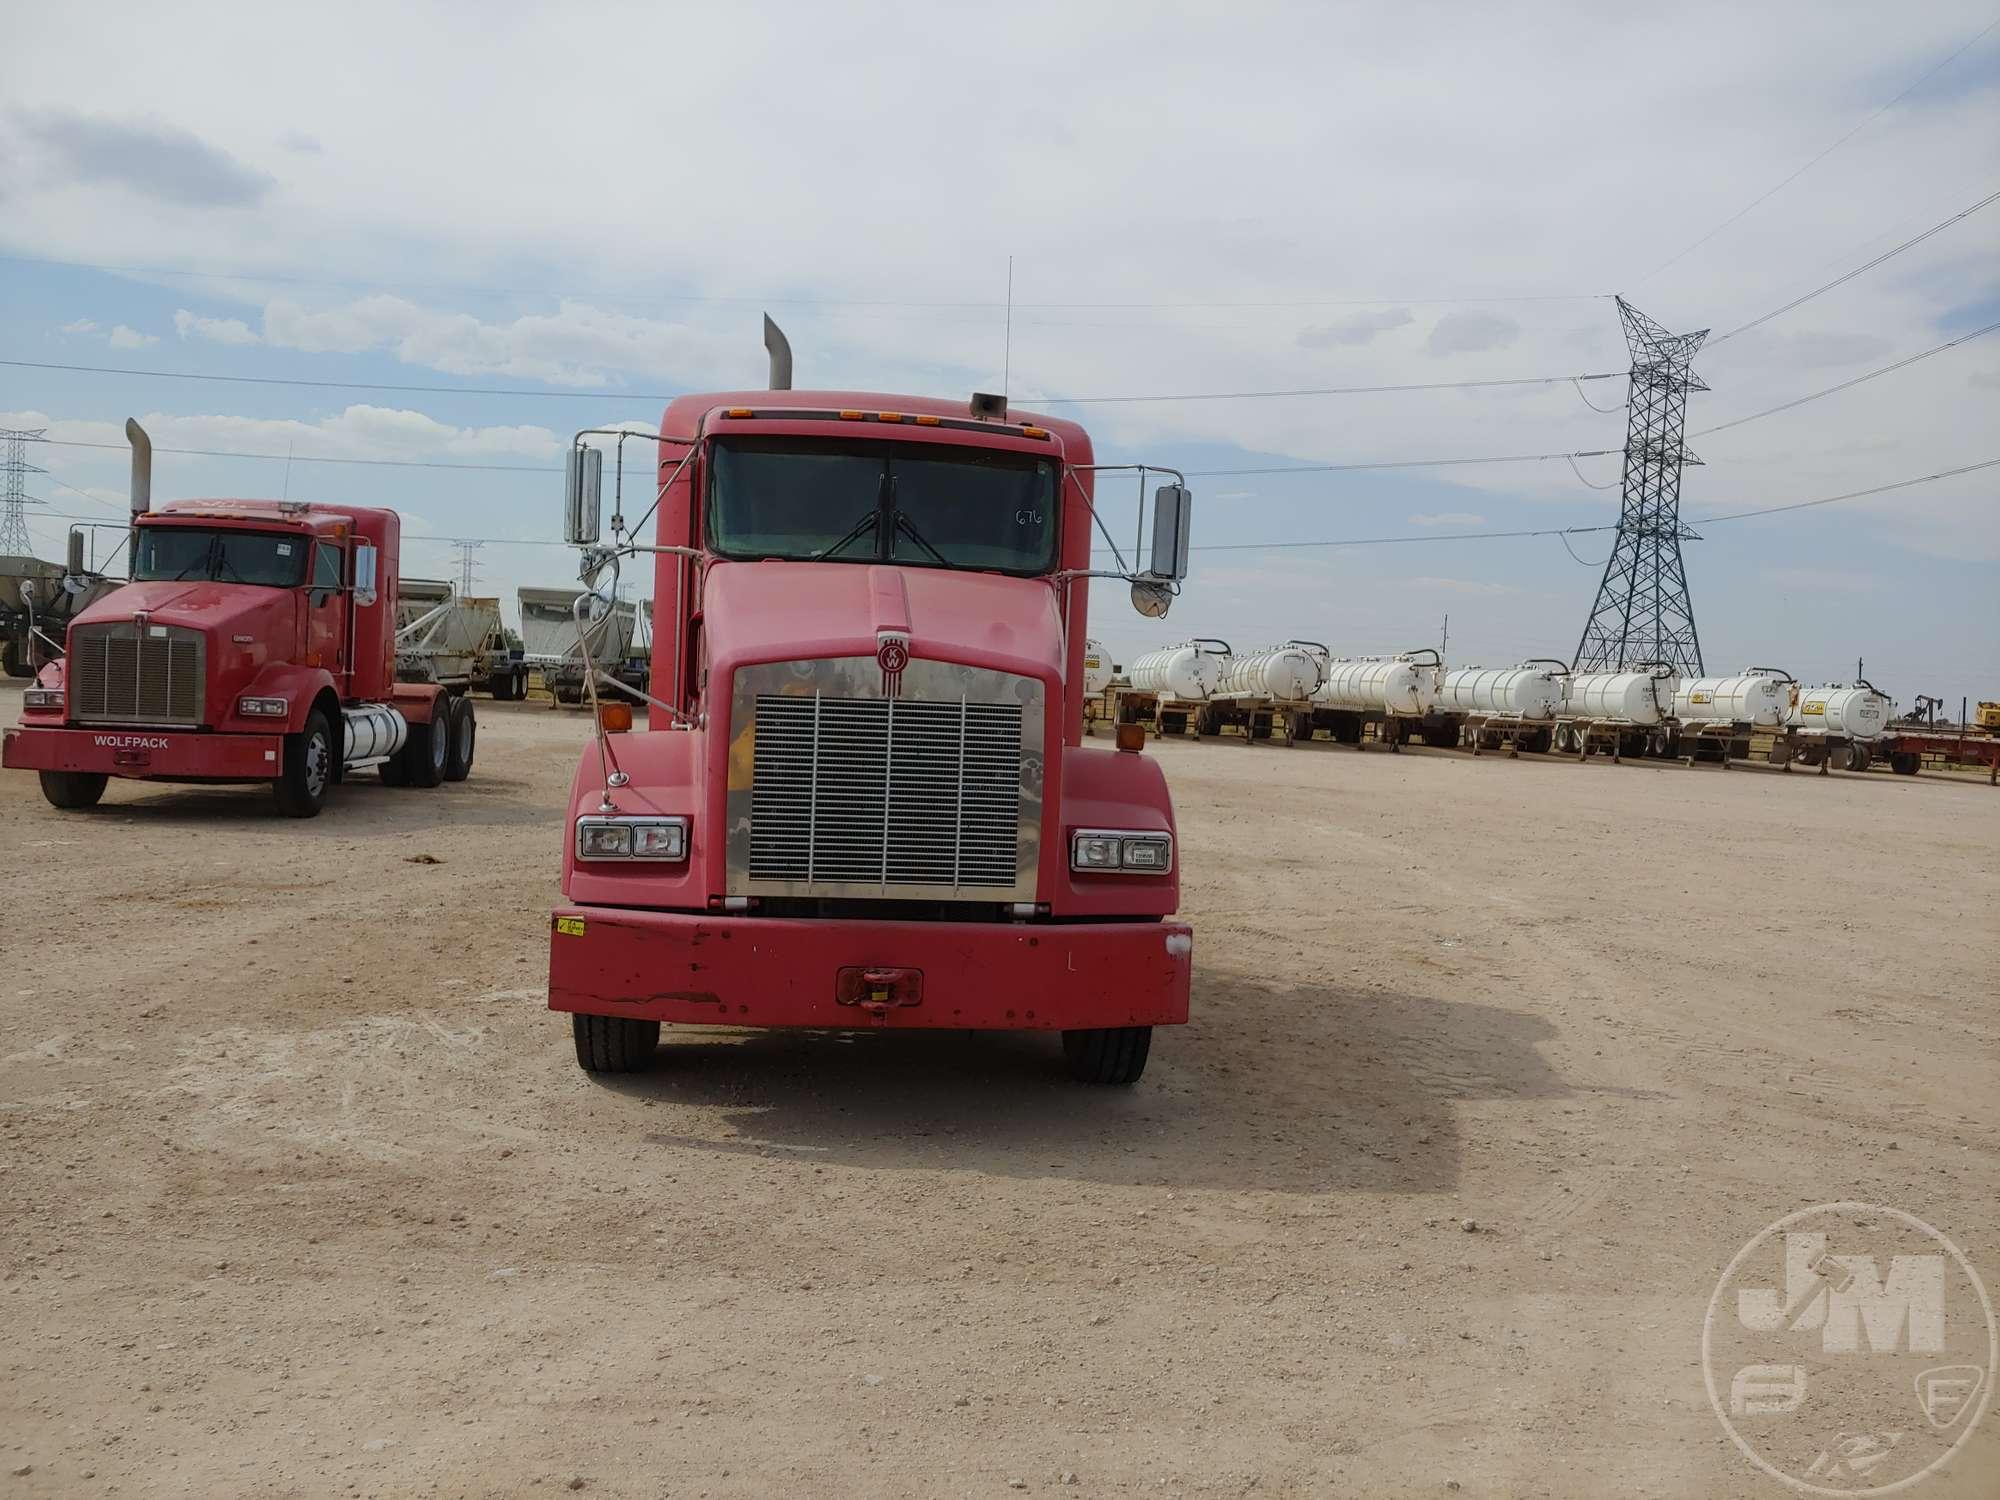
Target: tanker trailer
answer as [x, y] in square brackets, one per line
[1496, 707]
[1717, 715]
[1626, 712]
[1168, 685]
[1267, 689]
[1098, 669]
[1390, 692]
[1833, 725]
[457, 642]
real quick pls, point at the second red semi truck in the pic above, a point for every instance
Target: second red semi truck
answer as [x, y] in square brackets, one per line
[256, 641]
[863, 800]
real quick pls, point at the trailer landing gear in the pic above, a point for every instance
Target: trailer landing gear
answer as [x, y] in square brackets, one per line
[1112, 1055]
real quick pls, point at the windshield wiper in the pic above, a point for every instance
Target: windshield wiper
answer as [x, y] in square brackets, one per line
[860, 528]
[909, 529]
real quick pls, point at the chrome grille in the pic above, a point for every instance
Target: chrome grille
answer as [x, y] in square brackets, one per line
[893, 792]
[126, 674]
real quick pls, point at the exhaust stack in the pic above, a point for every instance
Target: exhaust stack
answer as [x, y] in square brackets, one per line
[142, 466]
[780, 349]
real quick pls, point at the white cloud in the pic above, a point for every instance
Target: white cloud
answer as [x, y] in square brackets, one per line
[358, 431]
[122, 337]
[1448, 518]
[1355, 329]
[215, 330]
[1471, 333]
[80, 326]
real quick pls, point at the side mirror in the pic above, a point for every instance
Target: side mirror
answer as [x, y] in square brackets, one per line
[364, 574]
[1152, 598]
[583, 496]
[1172, 504]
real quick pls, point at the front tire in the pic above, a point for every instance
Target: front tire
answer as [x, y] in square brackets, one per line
[73, 790]
[301, 789]
[463, 740]
[614, 1044]
[1113, 1056]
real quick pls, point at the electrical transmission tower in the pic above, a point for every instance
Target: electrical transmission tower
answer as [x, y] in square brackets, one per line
[14, 540]
[467, 568]
[1643, 613]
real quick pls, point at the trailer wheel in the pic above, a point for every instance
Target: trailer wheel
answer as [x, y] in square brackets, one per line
[463, 738]
[301, 787]
[1112, 1055]
[614, 1044]
[73, 790]
[15, 660]
[1904, 762]
[428, 749]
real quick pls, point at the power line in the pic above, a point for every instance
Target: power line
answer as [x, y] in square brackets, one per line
[1770, 193]
[1330, 390]
[306, 458]
[609, 395]
[1374, 541]
[1900, 364]
[1401, 463]
[1964, 213]
[355, 283]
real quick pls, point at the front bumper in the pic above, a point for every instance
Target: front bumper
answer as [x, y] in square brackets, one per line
[776, 971]
[155, 754]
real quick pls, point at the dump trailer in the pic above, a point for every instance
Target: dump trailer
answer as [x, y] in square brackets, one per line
[552, 647]
[254, 642]
[37, 601]
[459, 642]
[862, 800]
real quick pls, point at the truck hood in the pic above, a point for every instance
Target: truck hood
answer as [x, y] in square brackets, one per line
[200, 605]
[791, 611]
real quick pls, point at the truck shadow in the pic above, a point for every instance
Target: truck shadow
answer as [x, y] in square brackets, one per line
[1308, 1089]
[365, 809]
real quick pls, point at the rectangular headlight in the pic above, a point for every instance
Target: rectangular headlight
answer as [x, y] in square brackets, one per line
[42, 698]
[264, 708]
[1102, 849]
[614, 837]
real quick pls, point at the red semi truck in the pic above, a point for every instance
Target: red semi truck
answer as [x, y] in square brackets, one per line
[863, 800]
[254, 642]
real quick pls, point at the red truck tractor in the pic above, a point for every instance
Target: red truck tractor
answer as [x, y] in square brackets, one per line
[862, 800]
[254, 642]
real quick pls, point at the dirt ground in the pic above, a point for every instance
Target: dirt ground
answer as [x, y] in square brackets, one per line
[303, 1192]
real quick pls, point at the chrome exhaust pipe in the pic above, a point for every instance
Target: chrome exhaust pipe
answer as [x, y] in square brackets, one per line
[780, 349]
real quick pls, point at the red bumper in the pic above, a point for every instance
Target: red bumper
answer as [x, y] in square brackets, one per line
[159, 754]
[856, 974]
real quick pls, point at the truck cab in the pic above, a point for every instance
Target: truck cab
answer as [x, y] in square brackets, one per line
[862, 799]
[255, 641]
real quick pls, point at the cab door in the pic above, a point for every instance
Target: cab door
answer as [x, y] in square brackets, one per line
[326, 612]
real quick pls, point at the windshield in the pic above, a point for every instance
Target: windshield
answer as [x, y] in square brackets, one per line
[174, 553]
[806, 499]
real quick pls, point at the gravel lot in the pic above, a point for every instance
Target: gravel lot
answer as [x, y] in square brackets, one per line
[1494, 1066]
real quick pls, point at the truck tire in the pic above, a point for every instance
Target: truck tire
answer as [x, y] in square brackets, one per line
[1114, 1055]
[462, 740]
[1904, 762]
[614, 1044]
[428, 749]
[73, 790]
[15, 659]
[301, 787]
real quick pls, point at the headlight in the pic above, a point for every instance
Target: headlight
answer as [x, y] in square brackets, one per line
[599, 837]
[42, 698]
[264, 708]
[1094, 849]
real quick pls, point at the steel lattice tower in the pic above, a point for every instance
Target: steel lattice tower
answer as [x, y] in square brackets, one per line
[14, 540]
[1643, 613]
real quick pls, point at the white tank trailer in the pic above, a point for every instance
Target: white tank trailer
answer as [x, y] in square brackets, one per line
[1639, 698]
[1390, 692]
[1285, 674]
[1495, 708]
[1188, 673]
[1832, 726]
[1167, 687]
[1097, 669]
[1757, 696]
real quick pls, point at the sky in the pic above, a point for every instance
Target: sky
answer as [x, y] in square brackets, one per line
[594, 210]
